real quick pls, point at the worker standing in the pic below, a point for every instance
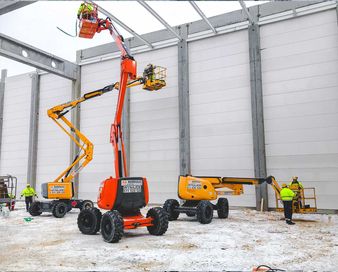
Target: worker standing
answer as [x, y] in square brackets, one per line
[28, 193]
[287, 195]
[297, 188]
[86, 10]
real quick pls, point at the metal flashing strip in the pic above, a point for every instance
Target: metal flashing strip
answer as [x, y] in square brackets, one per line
[301, 11]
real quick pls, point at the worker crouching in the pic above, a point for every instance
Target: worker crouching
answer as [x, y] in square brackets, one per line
[287, 196]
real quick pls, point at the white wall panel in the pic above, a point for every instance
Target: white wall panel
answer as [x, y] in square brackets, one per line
[53, 144]
[300, 83]
[154, 128]
[15, 137]
[220, 110]
[97, 116]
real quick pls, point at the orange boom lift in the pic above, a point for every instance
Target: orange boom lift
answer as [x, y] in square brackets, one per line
[122, 196]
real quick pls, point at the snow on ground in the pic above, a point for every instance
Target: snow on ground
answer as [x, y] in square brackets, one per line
[246, 239]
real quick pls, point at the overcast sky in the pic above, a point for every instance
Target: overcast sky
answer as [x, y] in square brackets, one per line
[36, 24]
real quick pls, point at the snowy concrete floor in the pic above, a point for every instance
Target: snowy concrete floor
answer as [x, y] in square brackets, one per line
[246, 239]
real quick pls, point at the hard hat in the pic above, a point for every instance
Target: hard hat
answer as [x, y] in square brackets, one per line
[284, 185]
[294, 177]
[28, 185]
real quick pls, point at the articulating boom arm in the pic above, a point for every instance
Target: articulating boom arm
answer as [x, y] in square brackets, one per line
[128, 78]
[58, 113]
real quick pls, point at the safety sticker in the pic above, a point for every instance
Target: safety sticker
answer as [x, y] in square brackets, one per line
[57, 189]
[194, 185]
[132, 185]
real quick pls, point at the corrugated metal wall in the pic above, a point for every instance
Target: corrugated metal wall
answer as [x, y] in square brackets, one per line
[16, 118]
[220, 110]
[53, 143]
[154, 128]
[300, 85]
[97, 116]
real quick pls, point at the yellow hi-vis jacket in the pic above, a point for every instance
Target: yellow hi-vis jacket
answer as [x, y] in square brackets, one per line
[286, 194]
[85, 8]
[296, 185]
[28, 191]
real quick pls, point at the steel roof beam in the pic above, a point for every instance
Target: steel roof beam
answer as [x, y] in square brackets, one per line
[250, 18]
[201, 13]
[27, 54]
[8, 6]
[120, 23]
[159, 18]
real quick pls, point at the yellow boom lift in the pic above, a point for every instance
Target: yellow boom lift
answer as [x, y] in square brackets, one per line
[196, 192]
[301, 202]
[61, 190]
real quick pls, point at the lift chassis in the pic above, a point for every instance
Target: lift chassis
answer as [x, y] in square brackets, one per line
[59, 207]
[197, 192]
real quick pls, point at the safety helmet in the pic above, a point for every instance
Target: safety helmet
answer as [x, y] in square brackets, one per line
[294, 178]
[284, 185]
[28, 185]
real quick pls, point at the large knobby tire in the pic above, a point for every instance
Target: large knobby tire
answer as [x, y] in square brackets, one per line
[89, 221]
[169, 206]
[222, 208]
[35, 209]
[112, 226]
[204, 212]
[60, 209]
[86, 204]
[160, 221]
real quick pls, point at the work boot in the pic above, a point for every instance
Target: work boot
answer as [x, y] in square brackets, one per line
[289, 222]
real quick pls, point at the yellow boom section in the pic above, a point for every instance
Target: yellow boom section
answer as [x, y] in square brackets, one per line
[57, 114]
[208, 188]
[153, 80]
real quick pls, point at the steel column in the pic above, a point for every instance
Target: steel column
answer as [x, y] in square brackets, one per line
[183, 102]
[2, 96]
[257, 114]
[33, 130]
[75, 119]
[337, 11]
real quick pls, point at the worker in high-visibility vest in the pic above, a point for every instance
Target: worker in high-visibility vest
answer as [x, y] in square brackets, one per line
[85, 11]
[11, 204]
[287, 196]
[297, 187]
[28, 193]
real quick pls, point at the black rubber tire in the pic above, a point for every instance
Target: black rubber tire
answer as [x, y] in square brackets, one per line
[190, 214]
[205, 212]
[223, 208]
[35, 209]
[169, 206]
[112, 227]
[86, 204]
[59, 209]
[89, 220]
[160, 221]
